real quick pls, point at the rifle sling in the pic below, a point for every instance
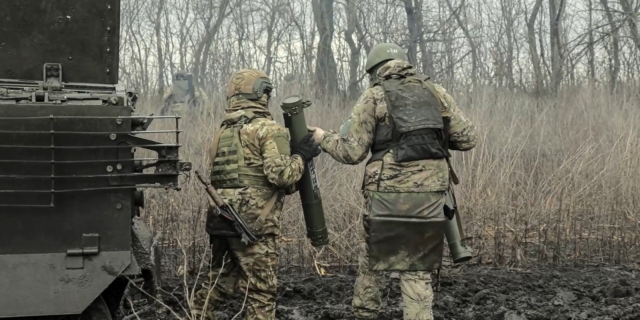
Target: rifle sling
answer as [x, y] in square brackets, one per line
[268, 206]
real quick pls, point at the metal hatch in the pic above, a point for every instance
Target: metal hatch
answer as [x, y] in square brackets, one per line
[83, 36]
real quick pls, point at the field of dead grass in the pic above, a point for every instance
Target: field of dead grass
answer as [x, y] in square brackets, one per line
[551, 180]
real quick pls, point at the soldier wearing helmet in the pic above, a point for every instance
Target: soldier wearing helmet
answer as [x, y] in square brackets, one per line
[409, 124]
[253, 166]
[182, 96]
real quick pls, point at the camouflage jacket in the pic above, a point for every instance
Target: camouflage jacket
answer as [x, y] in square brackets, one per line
[266, 144]
[416, 176]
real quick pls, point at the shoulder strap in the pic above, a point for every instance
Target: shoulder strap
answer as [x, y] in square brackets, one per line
[422, 77]
[452, 174]
[268, 206]
[250, 116]
[216, 142]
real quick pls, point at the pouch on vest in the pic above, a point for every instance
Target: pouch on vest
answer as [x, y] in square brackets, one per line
[406, 231]
[416, 128]
[229, 168]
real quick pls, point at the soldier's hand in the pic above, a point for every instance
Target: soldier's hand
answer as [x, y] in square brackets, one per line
[307, 149]
[317, 133]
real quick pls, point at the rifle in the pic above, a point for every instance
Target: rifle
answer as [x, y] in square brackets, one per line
[228, 213]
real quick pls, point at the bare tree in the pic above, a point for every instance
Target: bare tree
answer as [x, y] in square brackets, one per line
[556, 11]
[508, 17]
[157, 28]
[535, 58]
[362, 31]
[631, 11]
[305, 36]
[354, 59]
[614, 52]
[459, 42]
[414, 33]
[326, 69]
[591, 45]
[201, 55]
[474, 53]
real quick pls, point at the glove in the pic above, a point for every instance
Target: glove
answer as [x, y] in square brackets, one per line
[307, 149]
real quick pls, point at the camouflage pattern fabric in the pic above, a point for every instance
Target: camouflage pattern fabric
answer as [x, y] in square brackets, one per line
[174, 106]
[235, 267]
[428, 176]
[262, 141]
[249, 83]
[417, 294]
[414, 176]
[250, 202]
[252, 268]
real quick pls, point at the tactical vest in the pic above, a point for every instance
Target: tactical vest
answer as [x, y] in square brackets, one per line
[416, 129]
[229, 169]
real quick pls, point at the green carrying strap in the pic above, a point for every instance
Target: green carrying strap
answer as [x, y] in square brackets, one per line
[268, 207]
[215, 144]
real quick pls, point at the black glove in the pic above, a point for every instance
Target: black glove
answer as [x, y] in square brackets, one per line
[307, 149]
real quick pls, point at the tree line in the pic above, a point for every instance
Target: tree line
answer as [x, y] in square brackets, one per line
[536, 46]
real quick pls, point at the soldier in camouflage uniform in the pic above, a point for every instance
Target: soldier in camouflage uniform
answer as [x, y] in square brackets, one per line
[254, 165]
[405, 179]
[182, 96]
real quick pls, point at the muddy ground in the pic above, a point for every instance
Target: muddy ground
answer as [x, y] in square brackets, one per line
[471, 293]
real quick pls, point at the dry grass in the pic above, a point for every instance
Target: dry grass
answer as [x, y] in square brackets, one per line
[551, 180]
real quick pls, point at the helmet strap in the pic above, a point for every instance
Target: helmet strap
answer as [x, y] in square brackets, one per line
[373, 77]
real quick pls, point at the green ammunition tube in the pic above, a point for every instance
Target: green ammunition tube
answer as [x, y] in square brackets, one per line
[453, 231]
[295, 121]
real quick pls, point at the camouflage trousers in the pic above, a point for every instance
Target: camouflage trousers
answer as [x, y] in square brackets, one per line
[250, 269]
[417, 294]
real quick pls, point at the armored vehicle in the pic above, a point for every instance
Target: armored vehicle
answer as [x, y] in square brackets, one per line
[71, 181]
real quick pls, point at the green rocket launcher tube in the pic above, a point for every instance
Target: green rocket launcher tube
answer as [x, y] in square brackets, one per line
[453, 230]
[294, 120]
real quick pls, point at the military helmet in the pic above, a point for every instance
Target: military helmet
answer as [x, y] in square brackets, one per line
[182, 75]
[382, 52]
[249, 83]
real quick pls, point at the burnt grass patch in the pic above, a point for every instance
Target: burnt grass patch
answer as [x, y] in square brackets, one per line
[469, 293]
